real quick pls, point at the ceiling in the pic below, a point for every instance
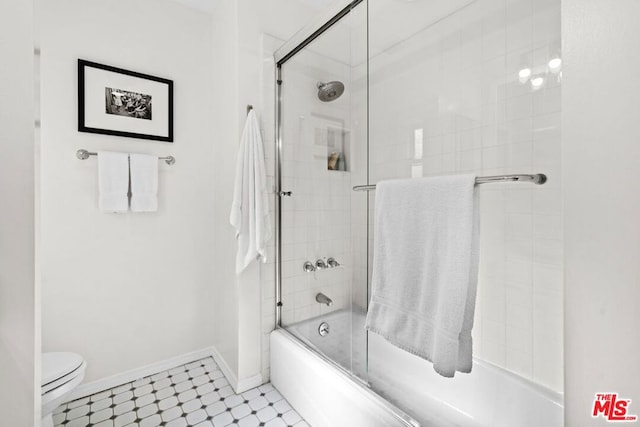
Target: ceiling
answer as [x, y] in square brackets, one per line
[204, 5]
[209, 5]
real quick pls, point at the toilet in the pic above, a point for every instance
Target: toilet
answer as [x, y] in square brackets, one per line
[61, 374]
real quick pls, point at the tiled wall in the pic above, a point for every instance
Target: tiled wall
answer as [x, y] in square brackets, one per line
[315, 220]
[450, 100]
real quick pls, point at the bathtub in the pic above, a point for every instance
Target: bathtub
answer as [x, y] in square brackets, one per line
[319, 386]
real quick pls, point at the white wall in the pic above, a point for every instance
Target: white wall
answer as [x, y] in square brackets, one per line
[185, 285]
[242, 318]
[129, 289]
[601, 155]
[238, 306]
[225, 48]
[19, 339]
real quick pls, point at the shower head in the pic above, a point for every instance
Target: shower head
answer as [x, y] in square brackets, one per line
[331, 91]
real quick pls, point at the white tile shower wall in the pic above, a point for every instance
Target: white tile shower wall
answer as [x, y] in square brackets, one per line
[449, 100]
[315, 219]
[360, 162]
[359, 200]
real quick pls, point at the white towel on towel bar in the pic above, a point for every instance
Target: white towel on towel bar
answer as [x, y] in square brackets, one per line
[144, 182]
[425, 268]
[250, 207]
[113, 181]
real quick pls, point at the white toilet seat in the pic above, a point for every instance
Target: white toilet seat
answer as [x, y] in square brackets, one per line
[60, 368]
[46, 388]
[61, 373]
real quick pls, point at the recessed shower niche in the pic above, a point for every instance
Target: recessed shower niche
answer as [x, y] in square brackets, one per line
[332, 139]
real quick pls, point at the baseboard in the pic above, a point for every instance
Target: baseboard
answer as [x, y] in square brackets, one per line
[228, 373]
[239, 386]
[107, 383]
[248, 383]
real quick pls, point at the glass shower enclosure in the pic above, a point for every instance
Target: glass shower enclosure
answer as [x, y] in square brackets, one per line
[386, 89]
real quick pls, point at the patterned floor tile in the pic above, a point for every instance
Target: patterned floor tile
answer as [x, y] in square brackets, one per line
[193, 395]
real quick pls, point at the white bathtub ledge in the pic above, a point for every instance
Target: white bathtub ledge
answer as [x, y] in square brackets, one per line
[322, 395]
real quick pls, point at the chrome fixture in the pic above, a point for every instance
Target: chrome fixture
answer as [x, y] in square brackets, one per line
[321, 264]
[331, 91]
[285, 193]
[323, 299]
[538, 178]
[323, 329]
[84, 155]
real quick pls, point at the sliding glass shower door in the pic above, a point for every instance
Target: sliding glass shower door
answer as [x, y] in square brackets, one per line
[323, 154]
[474, 86]
[393, 89]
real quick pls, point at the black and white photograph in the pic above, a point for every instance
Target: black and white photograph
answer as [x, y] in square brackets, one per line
[119, 102]
[128, 104]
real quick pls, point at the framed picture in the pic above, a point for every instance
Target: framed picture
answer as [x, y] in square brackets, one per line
[113, 101]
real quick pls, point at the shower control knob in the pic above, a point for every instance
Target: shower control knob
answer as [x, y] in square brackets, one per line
[285, 193]
[331, 262]
[307, 267]
[320, 264]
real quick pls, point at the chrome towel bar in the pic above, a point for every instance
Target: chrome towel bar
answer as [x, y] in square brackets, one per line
[84, 155]
[538, 178]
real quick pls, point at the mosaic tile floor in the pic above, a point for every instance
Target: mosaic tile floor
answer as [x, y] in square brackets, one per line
[196, 394]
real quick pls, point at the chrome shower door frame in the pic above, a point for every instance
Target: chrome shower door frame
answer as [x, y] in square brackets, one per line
[294, 45]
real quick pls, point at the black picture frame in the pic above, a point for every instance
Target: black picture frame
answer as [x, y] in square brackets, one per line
[98, 114]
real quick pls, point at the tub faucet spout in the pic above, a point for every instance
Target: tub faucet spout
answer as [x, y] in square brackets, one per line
[323, 299]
